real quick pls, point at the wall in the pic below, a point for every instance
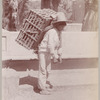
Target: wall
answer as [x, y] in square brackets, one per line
[76, 44]
[80, 45]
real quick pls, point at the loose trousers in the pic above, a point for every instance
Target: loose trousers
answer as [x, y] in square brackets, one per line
[44, 69]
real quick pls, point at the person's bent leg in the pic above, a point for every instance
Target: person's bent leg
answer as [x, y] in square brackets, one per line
[42, 71]
[48, 63]
[42, 74]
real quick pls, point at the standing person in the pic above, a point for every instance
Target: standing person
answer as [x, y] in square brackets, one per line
[50, 43]
[90, 21]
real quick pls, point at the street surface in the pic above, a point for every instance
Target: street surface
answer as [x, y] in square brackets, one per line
[69, 84]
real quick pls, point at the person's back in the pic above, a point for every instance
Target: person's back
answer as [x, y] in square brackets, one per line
[50, 40]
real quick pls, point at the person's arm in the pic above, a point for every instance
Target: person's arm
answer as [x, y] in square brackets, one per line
[51, 47]
[51, 42]
[59, 51]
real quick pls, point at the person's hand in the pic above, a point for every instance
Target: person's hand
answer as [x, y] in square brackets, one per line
[59, 51]
[60, 59]
[55, 60]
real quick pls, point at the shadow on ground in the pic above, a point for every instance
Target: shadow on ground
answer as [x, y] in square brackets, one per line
[33, 81]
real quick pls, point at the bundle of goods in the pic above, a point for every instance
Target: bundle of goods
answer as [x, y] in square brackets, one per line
[32, 30]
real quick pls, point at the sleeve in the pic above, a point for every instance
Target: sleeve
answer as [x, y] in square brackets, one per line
[59, 51]
[51, 42]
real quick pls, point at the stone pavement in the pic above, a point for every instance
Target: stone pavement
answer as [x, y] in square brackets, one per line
[70, 84]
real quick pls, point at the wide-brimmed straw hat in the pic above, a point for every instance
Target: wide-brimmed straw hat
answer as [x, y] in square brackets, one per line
[60, 18]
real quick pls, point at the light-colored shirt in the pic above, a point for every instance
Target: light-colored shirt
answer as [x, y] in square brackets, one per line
[51, 42]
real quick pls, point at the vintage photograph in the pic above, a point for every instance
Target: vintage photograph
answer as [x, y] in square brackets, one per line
[50, 49]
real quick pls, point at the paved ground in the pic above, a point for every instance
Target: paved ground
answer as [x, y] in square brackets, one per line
[70, 84]
[71, 93]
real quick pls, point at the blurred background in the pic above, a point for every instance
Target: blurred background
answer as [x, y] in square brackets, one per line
[77, 11]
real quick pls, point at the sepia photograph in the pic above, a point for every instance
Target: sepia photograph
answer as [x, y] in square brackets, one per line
[50, 49]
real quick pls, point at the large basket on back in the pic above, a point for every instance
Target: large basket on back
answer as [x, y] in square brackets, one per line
[33, 26]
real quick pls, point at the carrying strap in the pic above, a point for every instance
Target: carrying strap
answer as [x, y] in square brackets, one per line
[42, 36]
[43, 33]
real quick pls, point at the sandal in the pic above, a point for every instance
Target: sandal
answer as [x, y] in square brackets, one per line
[45, 92]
